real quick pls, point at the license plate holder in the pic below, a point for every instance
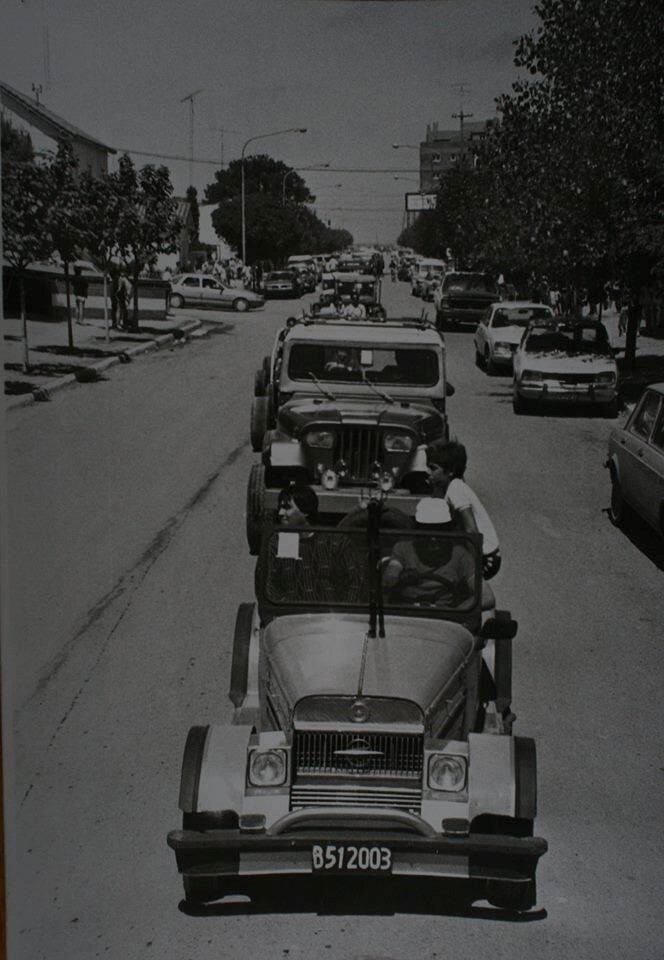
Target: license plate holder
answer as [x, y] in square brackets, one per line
[351, 859]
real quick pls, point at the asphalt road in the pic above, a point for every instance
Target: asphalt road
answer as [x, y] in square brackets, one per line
[128, 560]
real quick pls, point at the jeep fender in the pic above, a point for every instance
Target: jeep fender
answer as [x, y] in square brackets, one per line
[287, 453]
[222, 769]
[491, 775]
[419, 462]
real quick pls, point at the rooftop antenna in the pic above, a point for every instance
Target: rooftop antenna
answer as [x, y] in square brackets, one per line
[37, 89]
[462, 89]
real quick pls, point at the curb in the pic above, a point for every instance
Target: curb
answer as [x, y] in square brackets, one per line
[45, 390]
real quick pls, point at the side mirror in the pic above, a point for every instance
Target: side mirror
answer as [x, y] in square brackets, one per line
[449, 389]
[500, 626]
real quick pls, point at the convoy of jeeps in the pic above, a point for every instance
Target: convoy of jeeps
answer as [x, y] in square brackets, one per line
[372, 729]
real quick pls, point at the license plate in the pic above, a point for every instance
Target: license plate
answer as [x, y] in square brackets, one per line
[350, 858]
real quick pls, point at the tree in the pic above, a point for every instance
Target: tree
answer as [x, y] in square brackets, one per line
[192, 197]
[262, 175]
[105, 208]
[67, 215]
[25, 209]
[147, 222]
[16, 144]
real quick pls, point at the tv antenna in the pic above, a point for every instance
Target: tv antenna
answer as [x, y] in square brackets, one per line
[190, 98]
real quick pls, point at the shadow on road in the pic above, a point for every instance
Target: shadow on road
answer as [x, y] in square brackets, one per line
[354, 898]
[642, 536]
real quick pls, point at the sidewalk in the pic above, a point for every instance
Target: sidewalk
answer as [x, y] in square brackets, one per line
[54, 366]
[649, 366]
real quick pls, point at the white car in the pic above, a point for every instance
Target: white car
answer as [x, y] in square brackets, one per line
[565, 360]
[500, 330]
[424, 270]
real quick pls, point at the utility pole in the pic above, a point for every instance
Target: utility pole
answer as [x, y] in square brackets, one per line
[37, 89]
[190, 98]
[461, 116]
[462, 89]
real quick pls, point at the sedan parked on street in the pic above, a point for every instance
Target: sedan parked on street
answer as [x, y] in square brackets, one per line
[636, 462]
[565, 361]
[202, 290]
[500, 331]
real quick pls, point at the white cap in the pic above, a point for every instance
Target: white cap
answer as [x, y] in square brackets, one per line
[432, 510]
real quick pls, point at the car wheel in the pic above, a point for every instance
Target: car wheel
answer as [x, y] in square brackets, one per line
[259, 422]
[488, 363]
[177, 300]
[260, 383]
[478, 359]
[255, 507]
[241, 305]
[515, 897]
[519, 405]
[612, 408]
[618, 508]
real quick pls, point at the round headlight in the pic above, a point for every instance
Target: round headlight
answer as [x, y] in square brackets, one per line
[398, 442]
[329, 480]
[319, 438]
[386, 482]
[267, 768]
[447, 773]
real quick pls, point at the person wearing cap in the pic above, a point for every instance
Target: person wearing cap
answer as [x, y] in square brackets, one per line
[447, 460]
[432, 570]
[355, 310]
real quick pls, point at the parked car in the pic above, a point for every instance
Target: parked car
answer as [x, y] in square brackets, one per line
[500, 330]
[281, 283]
[346, 405]
[636, 462]
[566, 361]
[464, 298]
[370, 738]
[423, 272]
[202, 290]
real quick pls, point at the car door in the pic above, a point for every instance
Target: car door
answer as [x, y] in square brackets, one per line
[653, 474]
[192, 290]
[636, 468]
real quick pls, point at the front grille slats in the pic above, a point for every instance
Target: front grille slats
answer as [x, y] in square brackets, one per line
[570, 377]
[323, 796]
[359, 448]
[374, 754]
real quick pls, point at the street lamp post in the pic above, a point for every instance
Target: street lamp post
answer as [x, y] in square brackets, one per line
[315, 166]
[260, 136]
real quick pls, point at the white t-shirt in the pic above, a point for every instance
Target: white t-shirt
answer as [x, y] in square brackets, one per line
[459, 496]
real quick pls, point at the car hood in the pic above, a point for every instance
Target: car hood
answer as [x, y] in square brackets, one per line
[322, 654]
[559, 362]
[299, 413]
[506, 334]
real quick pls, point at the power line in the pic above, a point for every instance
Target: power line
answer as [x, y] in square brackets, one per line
[215, 163]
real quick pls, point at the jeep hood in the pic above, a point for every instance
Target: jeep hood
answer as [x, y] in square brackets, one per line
[322, 654]
[299, 413]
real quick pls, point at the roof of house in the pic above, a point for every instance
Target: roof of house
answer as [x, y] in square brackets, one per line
[44, 119]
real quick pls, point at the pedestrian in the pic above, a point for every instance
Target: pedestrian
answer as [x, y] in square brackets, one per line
[447, 461]
[623, 318]
[80, 286]
[123, 296]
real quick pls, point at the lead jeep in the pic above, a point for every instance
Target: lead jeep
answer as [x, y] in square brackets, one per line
[372, 733]
[346, 406]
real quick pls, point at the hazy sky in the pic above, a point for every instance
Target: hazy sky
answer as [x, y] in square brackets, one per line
[359, 75]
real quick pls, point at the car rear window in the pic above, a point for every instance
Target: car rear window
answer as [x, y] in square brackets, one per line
[472, 281]
[568, 339]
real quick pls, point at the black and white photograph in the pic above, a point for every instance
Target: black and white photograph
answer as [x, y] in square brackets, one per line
[332, 479]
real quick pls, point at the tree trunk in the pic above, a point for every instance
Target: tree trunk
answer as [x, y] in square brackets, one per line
[70, 329]
[134, 318]
[106, 305]
[24, 323]
[634, 314]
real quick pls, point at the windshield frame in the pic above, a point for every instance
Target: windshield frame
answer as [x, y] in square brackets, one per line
[560, 328]
[336, 345]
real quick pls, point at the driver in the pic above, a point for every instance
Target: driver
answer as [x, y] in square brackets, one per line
[341, 362]
[355, 310]
[432, 570]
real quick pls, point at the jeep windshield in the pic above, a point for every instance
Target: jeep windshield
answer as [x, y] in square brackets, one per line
[347, 287]
[402, 570]
[518, 316]
[470, 281]
[409, 366]
[567, 339]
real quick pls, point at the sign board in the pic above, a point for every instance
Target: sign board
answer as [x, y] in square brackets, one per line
[420, 201]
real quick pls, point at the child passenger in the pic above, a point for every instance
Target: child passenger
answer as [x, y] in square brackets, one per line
[447, 460]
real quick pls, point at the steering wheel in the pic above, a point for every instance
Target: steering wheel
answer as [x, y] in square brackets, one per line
[458, 590]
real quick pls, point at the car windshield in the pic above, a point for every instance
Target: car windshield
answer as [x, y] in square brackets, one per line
[322, 567]
[411, 366]
[280, 275]
[518, 316]
[430, 268]
[346, 287]
[568, 338]
[470, 281]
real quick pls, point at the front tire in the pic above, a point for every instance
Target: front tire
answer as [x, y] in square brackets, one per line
[241, 305]
[519, 405]
[514, 897]
[259, 422]
[488, 364]
[618, 508]
[255, 508]
[177, 301]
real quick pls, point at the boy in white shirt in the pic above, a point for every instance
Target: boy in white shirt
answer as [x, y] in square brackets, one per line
[447, 462]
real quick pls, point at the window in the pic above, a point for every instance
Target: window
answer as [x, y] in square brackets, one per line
[191, 282]
[646, 415]
[658, 432]
[210, 284]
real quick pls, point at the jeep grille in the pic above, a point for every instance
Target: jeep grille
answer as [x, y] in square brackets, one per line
[356, 795]
[360, 447]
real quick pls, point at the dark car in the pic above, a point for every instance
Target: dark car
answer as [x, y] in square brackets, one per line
[281, 283]
[348, 407]
[371, 738]
[463, 298]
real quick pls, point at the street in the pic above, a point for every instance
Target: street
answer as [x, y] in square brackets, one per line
[128, 561]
